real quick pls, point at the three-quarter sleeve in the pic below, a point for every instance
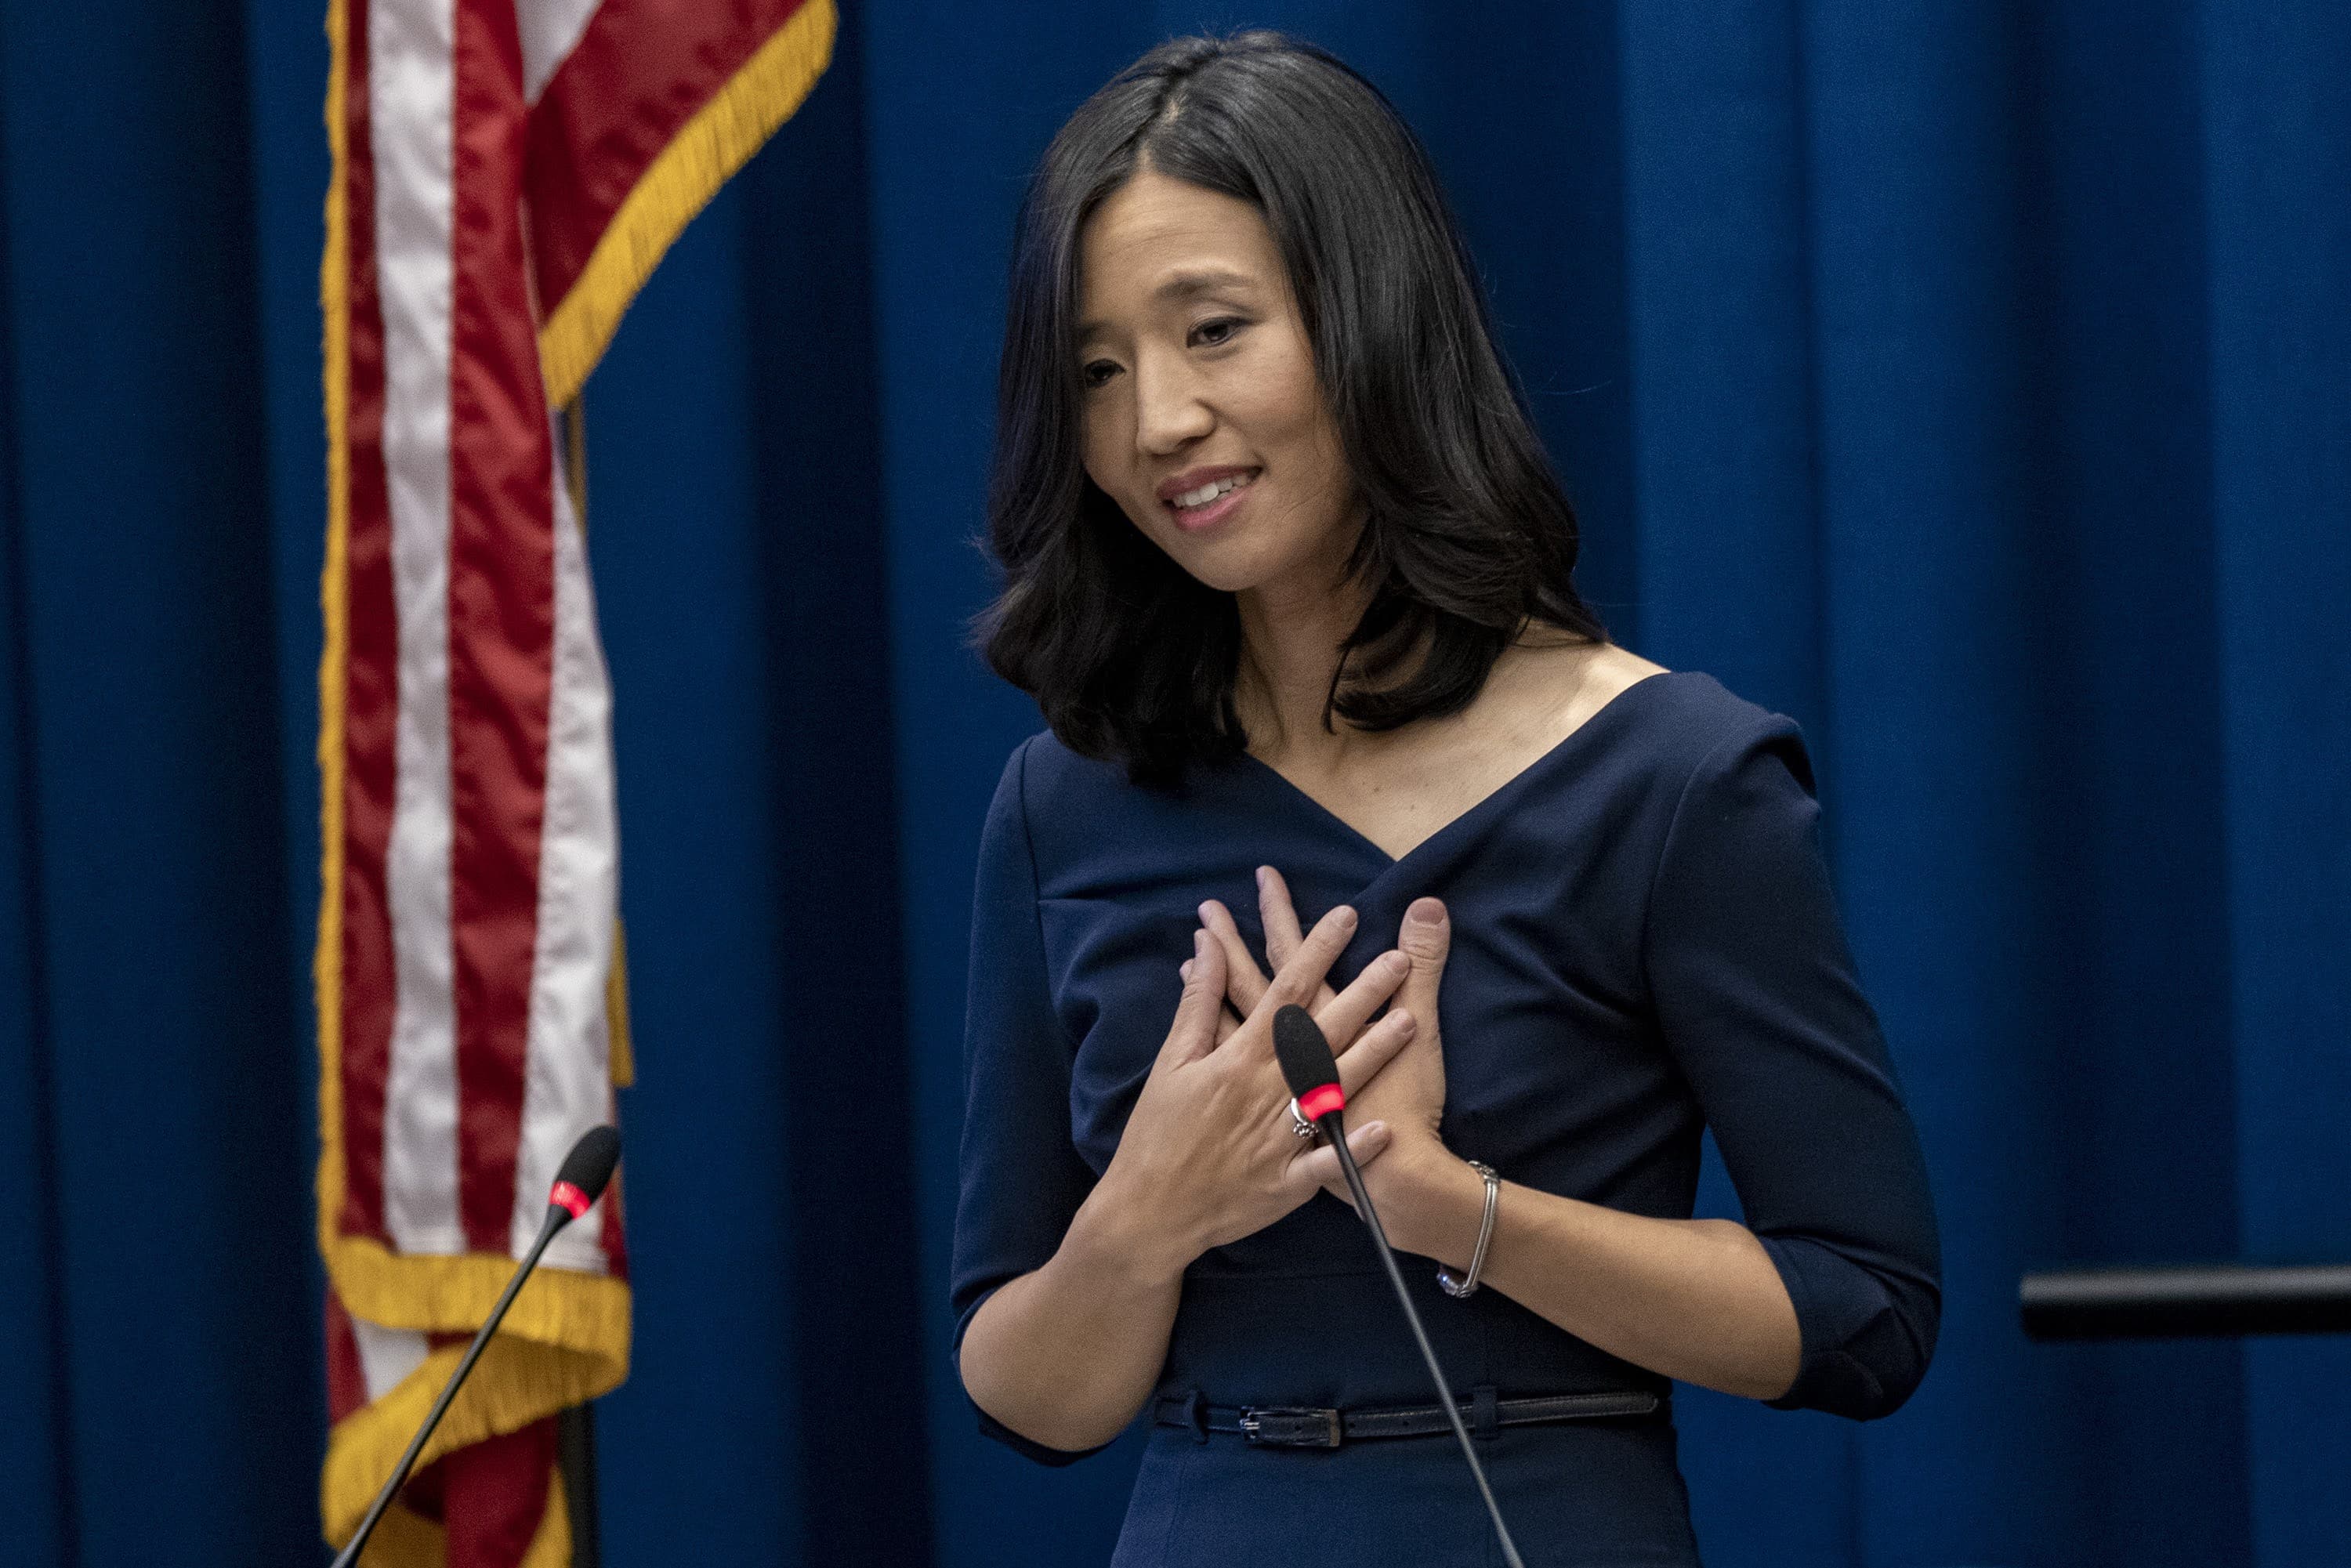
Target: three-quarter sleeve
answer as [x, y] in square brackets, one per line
[1760, 1005]
[1021, 1179]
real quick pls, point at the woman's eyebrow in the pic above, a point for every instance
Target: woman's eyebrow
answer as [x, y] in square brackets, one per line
[1184, 285]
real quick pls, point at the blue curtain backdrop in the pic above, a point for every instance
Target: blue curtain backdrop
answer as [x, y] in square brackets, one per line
[1968, 381]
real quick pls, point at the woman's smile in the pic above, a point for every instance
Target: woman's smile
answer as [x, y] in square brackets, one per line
[1197, 503]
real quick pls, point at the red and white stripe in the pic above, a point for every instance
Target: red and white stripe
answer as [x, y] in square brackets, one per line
[410, 89]
[488, 150]
[481, 863]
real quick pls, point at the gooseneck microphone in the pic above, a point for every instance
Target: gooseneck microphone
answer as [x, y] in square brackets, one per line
[585, 1169]
[1313, 1075]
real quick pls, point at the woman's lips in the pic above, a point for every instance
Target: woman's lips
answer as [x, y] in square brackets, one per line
[1198, 519]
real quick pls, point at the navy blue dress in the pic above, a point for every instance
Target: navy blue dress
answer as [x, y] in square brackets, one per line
[1645, 944]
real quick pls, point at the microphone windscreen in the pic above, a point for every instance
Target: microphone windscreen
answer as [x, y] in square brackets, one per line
[590, 1163]
[1305, 1056]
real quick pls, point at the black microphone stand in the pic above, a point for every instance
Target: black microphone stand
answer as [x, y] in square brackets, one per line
[1308, 1068]
[586, 1170]
[1333, 1126]
[556, 1219]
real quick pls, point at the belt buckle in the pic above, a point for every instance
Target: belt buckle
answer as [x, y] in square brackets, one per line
[1309, 1418]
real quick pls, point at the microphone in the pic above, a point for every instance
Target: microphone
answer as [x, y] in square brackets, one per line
[582, 1181]
[1313, 1074]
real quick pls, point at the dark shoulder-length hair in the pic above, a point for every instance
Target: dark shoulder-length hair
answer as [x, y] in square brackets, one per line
[1468, 537]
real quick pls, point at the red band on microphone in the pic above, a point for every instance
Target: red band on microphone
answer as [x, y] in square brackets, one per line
[1317, 1103]
[564, 1195]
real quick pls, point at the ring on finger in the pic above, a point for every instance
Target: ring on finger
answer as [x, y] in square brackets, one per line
[1298, 1122]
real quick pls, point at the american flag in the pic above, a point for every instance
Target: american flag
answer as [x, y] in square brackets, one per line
[506, 172]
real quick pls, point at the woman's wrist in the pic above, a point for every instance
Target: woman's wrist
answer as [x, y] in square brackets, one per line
[1114, 1229]
[1431, 1201]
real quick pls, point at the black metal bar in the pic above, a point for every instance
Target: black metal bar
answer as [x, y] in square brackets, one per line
[575, 1448]
[349, 1555]
[2223, 1300]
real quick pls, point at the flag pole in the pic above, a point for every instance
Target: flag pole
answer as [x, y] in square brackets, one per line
[575, 1450]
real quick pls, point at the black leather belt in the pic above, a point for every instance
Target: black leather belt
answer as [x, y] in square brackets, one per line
[1311, 1427]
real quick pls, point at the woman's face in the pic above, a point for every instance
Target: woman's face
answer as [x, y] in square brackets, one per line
[1204, 419]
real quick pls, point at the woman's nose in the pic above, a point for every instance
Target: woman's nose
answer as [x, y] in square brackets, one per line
[1168, 410]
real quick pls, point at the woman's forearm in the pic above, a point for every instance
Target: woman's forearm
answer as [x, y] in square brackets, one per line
[1066, 1354]
[1696, 1300]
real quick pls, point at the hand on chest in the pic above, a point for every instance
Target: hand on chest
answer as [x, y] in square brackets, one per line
[1538, 997]
[1546, 872]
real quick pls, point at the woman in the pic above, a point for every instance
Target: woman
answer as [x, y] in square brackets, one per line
[1290, 579]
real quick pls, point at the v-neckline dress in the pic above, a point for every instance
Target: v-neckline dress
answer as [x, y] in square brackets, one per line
[1495, 798]
[1645, 944]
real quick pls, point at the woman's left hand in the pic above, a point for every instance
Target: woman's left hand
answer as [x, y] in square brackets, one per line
[1409, 1094]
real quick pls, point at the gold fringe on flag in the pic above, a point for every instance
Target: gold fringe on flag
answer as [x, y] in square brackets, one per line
[514, 1383]
[702, 156]
[334, 596]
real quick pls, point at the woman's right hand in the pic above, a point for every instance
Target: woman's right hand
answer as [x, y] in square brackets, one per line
[1208, 1155]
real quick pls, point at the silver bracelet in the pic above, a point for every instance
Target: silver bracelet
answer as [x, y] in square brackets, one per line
[1460, 1285]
